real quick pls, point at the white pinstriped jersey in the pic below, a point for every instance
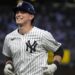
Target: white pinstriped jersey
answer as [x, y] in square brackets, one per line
[29, 51]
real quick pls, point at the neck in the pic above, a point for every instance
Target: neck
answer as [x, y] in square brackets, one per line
[24, 28]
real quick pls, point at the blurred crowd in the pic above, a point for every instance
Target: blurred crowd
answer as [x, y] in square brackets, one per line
[60, 21]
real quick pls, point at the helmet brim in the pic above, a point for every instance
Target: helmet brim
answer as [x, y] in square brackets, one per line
[16, 9]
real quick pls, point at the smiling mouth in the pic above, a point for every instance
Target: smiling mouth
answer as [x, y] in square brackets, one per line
[19, 18]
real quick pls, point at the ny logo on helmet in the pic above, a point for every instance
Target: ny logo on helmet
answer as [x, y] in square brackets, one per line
[20, 3]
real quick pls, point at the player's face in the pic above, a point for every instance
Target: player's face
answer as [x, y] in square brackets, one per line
[23, 17]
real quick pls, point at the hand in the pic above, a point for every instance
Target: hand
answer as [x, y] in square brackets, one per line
[49, 69]
[8, 70]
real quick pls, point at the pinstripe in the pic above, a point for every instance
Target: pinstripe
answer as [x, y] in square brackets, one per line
[27, 63]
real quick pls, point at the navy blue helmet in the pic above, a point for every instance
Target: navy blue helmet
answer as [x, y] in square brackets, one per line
[25, 6]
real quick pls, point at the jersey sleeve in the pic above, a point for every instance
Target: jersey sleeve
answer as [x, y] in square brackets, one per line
[6, 50]
[49, 43]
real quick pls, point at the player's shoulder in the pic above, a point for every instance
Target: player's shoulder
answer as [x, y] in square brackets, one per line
[42, 31]
[11, 34]
[39, 30]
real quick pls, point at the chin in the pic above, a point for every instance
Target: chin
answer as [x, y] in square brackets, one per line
[19, 23]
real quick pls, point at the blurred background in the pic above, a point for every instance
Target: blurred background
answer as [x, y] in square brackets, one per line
[55, 16]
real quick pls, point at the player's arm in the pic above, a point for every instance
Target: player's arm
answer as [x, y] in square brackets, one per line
[8, 69]
[8, 60]
[58, 55]
[56, 62]
[51, 44]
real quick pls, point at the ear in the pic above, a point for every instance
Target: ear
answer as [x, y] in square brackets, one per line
[31, 17]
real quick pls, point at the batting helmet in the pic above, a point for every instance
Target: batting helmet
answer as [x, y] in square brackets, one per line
[25, 6]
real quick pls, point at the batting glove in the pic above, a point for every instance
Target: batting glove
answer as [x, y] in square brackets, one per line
[49, 69]
[8, 70]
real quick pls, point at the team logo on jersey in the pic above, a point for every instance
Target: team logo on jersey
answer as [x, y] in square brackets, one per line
[14, 39]
[31, 47]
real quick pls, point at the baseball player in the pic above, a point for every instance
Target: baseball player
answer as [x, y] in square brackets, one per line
[26, 47]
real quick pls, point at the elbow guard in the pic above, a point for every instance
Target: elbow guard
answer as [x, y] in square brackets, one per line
[59, 52]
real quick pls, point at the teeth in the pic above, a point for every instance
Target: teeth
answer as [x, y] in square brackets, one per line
[19, 18]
